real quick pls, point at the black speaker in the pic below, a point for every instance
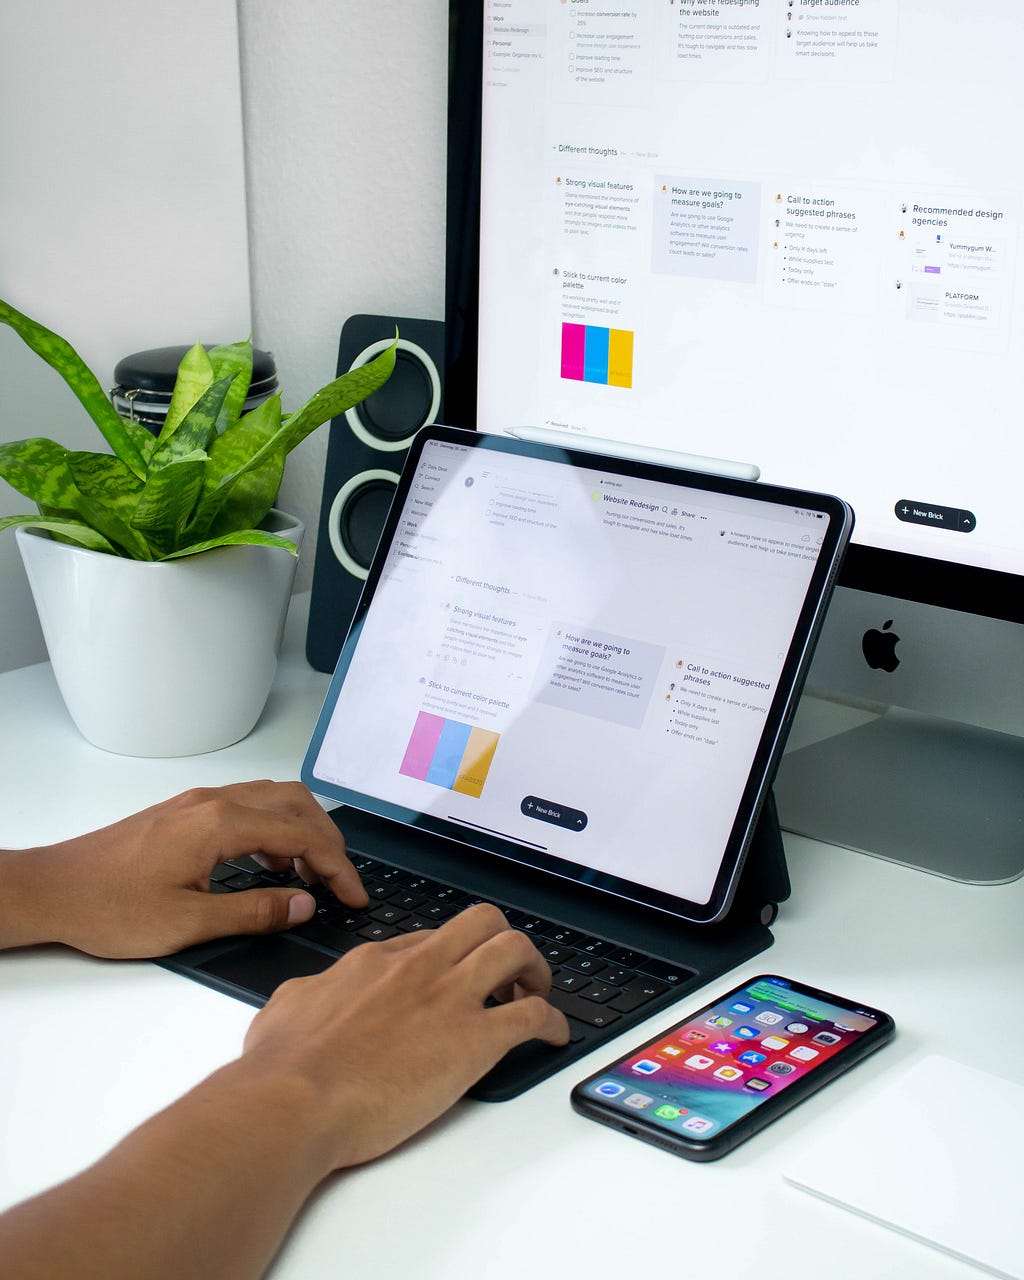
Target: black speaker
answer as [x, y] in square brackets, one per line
[365, 453]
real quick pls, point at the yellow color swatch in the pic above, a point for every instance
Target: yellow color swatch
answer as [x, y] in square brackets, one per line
[476, 761]
[620, 357]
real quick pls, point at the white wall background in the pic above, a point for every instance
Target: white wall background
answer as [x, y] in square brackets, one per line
[344, 107]
[336, 107]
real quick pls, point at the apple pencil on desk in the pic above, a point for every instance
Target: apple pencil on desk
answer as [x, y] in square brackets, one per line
[638, 452]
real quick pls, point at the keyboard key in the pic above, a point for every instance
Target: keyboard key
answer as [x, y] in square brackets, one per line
[568, 981]
[563, 936]
[388, 914]
[420, 884]
[533, 924]
[670, 973]
[445, 893]
[413, 924]
[574, 1006]
[242, 880]
[377, 932]
[245, 863]
[637, 993]
[438, 911]
[347, 919]
[618, 977]
[589, 965]
[599, 993]
[628, 959]
[407, 901]
[223, 872]
[328, 905]
[553, 955]
[279, 879]
[594, 946]
[365, 866]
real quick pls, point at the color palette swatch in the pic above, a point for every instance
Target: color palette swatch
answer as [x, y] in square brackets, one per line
[593, 354]
[449, 754]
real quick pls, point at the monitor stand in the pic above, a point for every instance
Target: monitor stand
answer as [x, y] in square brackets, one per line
[932, 794]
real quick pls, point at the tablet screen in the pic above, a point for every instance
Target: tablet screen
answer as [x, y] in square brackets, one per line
[580, 663]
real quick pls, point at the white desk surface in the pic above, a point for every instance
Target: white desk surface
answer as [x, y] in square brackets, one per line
[89, 1048]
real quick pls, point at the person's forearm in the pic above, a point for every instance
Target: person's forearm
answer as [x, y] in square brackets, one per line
[27, 893]
[207, 1188]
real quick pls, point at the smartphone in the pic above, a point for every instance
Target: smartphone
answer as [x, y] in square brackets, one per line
[733, 1067]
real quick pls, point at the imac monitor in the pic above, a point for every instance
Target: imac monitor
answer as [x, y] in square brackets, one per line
[789, 233]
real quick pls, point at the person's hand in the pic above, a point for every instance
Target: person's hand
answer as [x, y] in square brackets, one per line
[141, 887]
[395, 1032]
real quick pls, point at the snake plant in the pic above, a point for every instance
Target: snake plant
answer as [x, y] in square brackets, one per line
[207, 480]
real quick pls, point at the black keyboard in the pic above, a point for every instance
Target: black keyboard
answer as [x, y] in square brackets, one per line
[595, 983]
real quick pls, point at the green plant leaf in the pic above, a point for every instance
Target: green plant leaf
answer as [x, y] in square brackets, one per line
[233, 360]
[249, 496]
[195, 431]
[38, 468]
[340, 395]
[233, 497]
[195, 373]
[44, 471]
[71, 529]
[105, 479]
[241, 537]
[235, 449]
[125, 438]
[167, 502]
[107, 497]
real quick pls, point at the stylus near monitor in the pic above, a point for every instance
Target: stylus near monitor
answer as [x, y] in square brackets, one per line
[667, 261]
[642, 453]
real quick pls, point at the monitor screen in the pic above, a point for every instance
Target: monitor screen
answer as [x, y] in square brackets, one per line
[784, 233]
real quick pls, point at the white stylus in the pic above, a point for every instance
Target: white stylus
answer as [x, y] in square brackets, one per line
[638, 452]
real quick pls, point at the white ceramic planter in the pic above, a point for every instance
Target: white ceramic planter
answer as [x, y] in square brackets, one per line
[165, 659]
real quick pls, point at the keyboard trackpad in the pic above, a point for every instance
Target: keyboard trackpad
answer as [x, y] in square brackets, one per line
[262, 964]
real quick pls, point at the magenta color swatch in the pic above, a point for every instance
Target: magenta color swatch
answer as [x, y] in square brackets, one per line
[422, 745]
[574, 341]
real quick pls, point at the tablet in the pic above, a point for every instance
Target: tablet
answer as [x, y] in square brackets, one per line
[581, 664]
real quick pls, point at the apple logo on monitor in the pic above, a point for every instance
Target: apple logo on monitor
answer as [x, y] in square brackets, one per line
[880, 648]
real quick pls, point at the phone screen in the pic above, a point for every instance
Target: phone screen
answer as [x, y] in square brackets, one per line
[708, 1077]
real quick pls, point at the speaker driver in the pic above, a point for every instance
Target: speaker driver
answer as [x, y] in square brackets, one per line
[411, 398]
[357, 517]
